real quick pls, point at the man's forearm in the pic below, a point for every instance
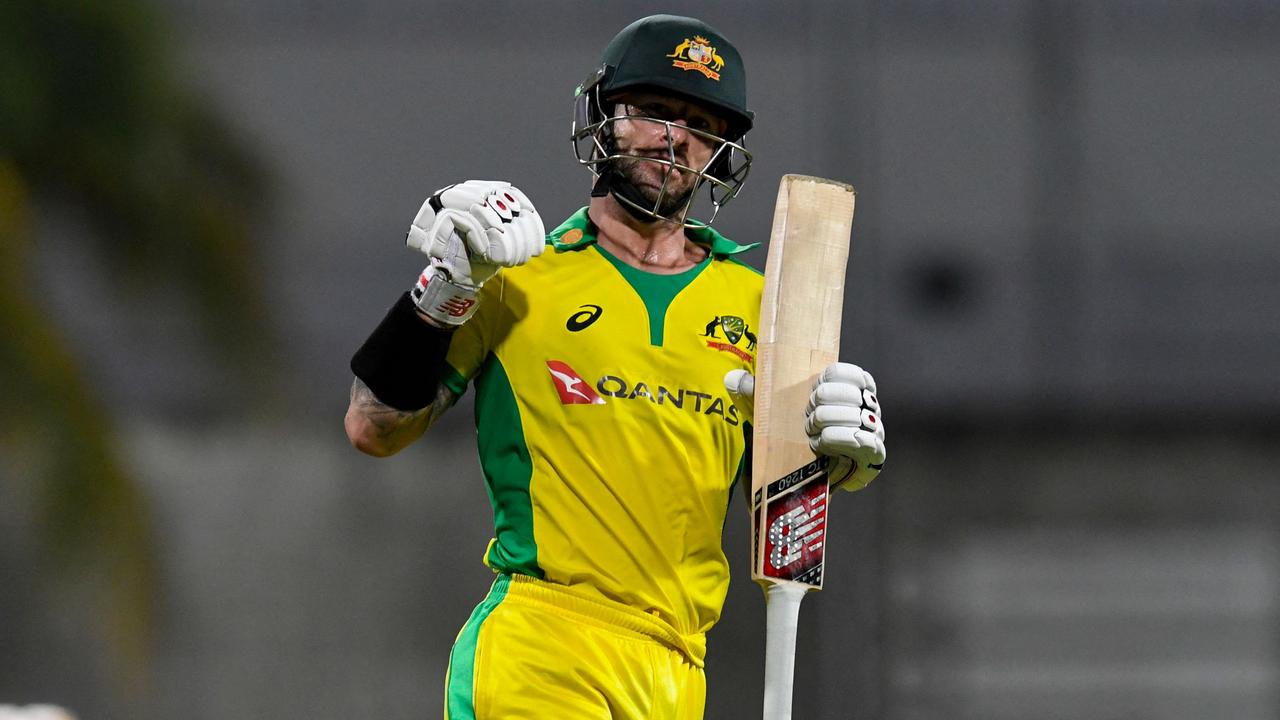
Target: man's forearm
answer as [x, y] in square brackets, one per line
[378, 429]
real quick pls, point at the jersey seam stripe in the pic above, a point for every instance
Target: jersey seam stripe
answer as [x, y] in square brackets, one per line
[508, 471]
[454, 380]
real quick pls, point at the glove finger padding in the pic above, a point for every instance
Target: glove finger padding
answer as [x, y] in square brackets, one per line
[492, 211]
[420, 235]
[492, 217]
[849, 441]
[533, 237]
[857, 456]
[847, 373]
[837, 393]
[429, 233]
[513, 230]
[507, 245]
[463, 195]
[843, 422]
[448, 226]
[849, 475]
[529, 223]
[456, 263]
[521, 201]
[832, 416]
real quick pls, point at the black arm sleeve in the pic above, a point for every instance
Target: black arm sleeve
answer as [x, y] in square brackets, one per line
[402, 362]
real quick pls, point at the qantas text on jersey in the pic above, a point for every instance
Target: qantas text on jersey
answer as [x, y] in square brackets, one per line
[573, 390]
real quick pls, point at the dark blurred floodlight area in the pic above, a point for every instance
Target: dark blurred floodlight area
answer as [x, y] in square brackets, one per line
[1063, 276]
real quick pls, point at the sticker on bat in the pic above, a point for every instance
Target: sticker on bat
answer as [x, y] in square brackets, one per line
[795, 521]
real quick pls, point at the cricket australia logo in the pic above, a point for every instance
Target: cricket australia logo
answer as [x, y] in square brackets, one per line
[573, 390]
[734, 329]
[697, 54]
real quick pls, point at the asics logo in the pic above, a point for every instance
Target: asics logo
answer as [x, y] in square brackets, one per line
[580, 320]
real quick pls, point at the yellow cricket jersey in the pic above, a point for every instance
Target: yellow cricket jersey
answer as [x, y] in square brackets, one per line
[608, 443]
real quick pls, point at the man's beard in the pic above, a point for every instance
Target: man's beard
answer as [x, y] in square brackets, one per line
[673, 202]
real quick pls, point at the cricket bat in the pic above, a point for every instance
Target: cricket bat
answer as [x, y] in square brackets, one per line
[799, 335]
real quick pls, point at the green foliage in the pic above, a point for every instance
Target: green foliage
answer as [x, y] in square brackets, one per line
[92, 113]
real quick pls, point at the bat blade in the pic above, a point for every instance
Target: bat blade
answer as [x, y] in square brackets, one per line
[799, 335]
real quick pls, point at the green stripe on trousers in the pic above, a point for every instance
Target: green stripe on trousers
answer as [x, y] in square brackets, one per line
[460, 682]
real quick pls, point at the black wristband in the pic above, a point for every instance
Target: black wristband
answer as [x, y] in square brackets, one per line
[402, 362]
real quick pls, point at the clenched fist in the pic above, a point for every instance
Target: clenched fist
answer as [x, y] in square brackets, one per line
[470, 231]
[843, 422]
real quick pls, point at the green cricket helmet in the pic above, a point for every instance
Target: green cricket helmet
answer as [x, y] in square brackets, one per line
[684, 58]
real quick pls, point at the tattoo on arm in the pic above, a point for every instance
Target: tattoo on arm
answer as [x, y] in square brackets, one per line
[389, 421]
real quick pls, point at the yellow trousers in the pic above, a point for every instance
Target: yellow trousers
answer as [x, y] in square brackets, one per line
[533, 650]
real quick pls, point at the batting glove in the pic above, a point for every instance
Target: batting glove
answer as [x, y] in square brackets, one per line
[843, 422]
[742, 391]
[470, 231]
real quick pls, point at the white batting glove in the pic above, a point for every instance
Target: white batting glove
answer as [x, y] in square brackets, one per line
[470, 231]
[742, 391]
[843, 422]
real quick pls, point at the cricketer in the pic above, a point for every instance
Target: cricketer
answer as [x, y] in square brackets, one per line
[611, 360]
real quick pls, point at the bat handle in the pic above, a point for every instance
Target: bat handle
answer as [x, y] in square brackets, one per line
[781, 617]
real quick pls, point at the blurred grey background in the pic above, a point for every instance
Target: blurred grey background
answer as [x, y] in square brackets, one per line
[1064, 261]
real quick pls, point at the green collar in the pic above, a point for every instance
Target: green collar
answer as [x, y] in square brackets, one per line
[578, 231]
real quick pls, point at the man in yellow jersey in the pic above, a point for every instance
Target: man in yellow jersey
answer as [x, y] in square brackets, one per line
[612, 363]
